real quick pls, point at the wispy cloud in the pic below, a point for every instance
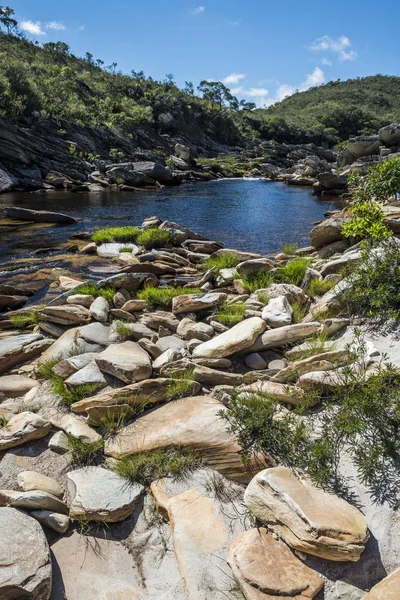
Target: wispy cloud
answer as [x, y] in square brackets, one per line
[317, 77]
[258, 95]
[81, 28]
[56, 26]
[235, 22]
[32, 28]
[327, 62]
[340, 46]
[233, 78]
[198, 10]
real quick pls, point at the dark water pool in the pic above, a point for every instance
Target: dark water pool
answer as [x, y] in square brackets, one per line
[253, 215]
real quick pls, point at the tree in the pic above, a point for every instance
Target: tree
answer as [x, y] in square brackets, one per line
[247, 105]
[6, 19]
[189, 88]
[217, 93]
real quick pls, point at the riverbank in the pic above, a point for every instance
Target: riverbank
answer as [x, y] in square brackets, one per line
[105, 378]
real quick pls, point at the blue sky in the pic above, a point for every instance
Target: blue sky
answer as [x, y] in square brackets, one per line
[262, 49]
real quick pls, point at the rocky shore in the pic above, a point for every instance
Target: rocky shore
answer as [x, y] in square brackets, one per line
[119, 476]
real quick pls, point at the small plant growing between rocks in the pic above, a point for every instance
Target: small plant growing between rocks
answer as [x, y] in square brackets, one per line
[3, 422]
[293, 272]
[83, 453]
[145, 467]
[181, 384]
[230, 314]
[299, 312]
[289, 248]
[111, 424]
[319, 287]
[257, 281]
[90, 289]
[222, 261]
[313, 346]
[161, 297]
[126, 249]
[24, 320]
[123, 330]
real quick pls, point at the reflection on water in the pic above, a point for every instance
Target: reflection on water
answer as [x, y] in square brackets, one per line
[252, 215]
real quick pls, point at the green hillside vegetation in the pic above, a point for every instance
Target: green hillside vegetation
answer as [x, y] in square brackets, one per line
[334, 112]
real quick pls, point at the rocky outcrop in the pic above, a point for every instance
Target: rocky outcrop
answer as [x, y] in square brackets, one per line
[39, 216]
[305, 517]
[240, 337]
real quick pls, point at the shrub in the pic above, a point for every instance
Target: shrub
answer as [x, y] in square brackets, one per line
[146, 467]
[162, 296]
[319, 287]
[289, 248]
[375, 285]
[230, 314]
[257, 281]
[92, 290]
[181, 384]
[83, 453]
[293, 272]
[367, 222]
[115, 234]
[153, 238]
[252, 418]
[222, 261]
[24, 320]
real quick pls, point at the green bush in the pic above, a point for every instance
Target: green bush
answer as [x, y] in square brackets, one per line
[146, 467]
[289, 248]
[115, 234]
[230, 314]
[367, 222]
[374, 289]
[153, 238]
[161, 297]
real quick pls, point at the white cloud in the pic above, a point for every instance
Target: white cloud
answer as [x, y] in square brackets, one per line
[257, 95]
[33, 28]
[327, 62]
[81, 28]
[56, 26]
[233, 78]
[234, 23]
[198, 10]
[340, 46]
[315, 78]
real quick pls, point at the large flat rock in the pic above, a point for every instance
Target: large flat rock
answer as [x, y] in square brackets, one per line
[126, 361]
[189, 422]
[39, 216]
[239, 338]
[276, 338]
[25, 560]
[23, 427]
[305, 517]
[265, 569]
[97, 494]
[21, 348]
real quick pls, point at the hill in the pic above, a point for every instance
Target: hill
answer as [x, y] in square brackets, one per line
[332, 112]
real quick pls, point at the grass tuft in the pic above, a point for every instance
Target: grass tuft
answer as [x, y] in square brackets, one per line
[289, 248]
[115, 234]
[181, 384]
[257, 281]
[313, 346]
[162, 296]
[222, 261]
[293, 272]
[90, 289]
[83, 453]
[24, 320]
[319, 287]
[145, 467]
[126, 249]
[153, 238]
[231, 314]
[299, 312]
[123, 330]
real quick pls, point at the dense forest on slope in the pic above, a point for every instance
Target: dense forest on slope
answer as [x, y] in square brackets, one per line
[47, 80]
[335, 111]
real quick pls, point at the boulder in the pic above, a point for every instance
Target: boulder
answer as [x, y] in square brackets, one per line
[184, 153]
[193, 422]
[53, 520]
[32, 500]
[390, 134]
[265, 569]
[352, 259]
[82, 299]
[239, 338]
[21, 428]
[332, 181]
[126, 361]
[67, 367]
[305, 517]
[97, 494]
[132, 306]
[327, 232]
[255, 265]
[113, 249]
[278, 312]
[21, 348]
[387, 589]
[90, 374]
[276, 338]
[12, 302]
[148, 391]
[99, 309]
[68, 315]
[14, 386]
[160, 318]
[24, 557]
[292, 293]
[283, 393]
[97, 334]
[39, 216]
[170, 342]
[197, 302]
[7, 181]
[255, 361]
[30, 480]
